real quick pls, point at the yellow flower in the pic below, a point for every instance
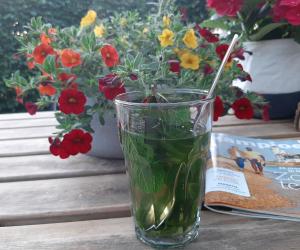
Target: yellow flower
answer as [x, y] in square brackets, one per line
[190, 61]
[166, 38]
[145, 30]
[99, 30]
[228, 66]
[88, 19]
[166, 21]
[190, 39]
[180, 52]
[123, 21]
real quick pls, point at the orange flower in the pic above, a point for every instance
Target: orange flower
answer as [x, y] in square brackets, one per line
[70, 58]
[30, 62]
[110, 55]
[46, 89]
[52, 31]
[45, 39]
[30, 65]
[19, 91]
[41, 52]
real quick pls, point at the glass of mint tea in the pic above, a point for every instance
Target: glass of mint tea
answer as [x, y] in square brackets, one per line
[165, 139]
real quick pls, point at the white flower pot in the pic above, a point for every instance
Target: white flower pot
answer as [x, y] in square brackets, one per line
[275, 69]
[105, 142]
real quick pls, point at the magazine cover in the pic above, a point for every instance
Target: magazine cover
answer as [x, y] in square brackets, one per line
[254, 177]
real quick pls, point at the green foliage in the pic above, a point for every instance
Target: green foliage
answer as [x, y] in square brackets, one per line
[15, 14]
[166, 179]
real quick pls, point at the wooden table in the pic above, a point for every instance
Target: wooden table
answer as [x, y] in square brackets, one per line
[83, 202]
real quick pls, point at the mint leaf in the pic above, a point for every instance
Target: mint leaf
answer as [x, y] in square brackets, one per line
[148, 177]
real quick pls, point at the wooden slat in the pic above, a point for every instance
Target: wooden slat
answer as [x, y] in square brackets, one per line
[12, 148]
[231, 120]
[271, 130]
[22, 116]
[274, 131]
[27, 123]
[41, 145]
[217, 232]
[26, 133]
[49, 167]
[69, 199]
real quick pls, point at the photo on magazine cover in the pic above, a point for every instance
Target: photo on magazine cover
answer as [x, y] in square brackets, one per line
[255, 175]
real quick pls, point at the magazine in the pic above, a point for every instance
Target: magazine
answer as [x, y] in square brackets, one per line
[254, 177]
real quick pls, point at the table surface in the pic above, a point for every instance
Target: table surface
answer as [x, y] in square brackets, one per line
[83, 202]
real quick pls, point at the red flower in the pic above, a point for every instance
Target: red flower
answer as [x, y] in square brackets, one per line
[225, 8]
[244, 76]
[266, 112]
[57, 149]
[111, 86]
[45, 39]
[70, 58]
[293, 15]
[31, 108]
[174, 66]
[240, 66]
[243, 108]
[46, 88]
[207, 35]
[239, 53]
[77, 141]
[64, 77]
[41, 52]
[287, 9]
[71, 101]
[68, 80]
[221, 51]
[110, 55]
[133, 77]
[218, 108]
[208, 69]
[290, 3]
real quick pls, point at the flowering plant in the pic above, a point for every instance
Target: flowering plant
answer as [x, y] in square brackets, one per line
[103, 58]
[257, 19]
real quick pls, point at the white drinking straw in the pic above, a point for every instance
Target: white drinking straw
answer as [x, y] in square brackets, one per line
[225, 59]
[216, 80]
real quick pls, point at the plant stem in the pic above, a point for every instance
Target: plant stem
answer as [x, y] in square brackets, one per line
[242, 24]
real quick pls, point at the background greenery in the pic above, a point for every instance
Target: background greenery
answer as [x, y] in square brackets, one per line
[14, 14]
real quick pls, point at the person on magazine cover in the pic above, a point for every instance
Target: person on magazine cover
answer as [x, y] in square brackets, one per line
[257, 160]
[283, 156]
[235, 154]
